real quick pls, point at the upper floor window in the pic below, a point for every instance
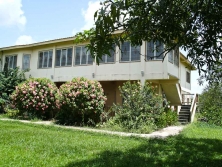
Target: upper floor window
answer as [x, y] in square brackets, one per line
[45, 59]
[11, 60]
[173, 56]
[26, 61]
[129, 52]
[82, 56]
[63, 57]
[188, 77]
[154, 50]
[109, 58]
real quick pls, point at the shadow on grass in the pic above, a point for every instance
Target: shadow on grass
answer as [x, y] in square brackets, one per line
[173, 151]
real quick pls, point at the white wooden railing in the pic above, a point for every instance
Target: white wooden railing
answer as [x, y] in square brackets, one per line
[193, 107]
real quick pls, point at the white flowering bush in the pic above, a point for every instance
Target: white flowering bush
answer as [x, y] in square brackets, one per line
[82, 102]
[36, 97]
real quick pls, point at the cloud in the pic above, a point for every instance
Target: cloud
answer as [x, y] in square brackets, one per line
[11, 13]
[88, 16]
[74, 31]
[24, 39]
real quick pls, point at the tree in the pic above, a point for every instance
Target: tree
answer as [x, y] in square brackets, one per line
[210, 105]
[193, 25]
[9, 79]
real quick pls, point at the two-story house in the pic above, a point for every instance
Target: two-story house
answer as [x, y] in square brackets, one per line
[61, 60]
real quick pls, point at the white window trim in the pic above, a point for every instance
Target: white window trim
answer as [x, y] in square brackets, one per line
[26, 54]
[43, 59]
[13, 59]
[154, 53]
[106, 56]
[66, 57]
[87, 56]
[189, 77]
[130, 55]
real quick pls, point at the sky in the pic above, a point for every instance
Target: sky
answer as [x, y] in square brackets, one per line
[29, 21]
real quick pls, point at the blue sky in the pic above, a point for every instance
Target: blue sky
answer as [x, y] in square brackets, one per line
[28, 21]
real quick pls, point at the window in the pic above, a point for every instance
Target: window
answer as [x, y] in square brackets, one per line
[170, 56]
[82, 56]
[11, 60]
[63, 57]
[173, 56]
[109, 59]
[45, 59]
[130, 53]
[26, 61]
[176, 56]
[154, 50]
[188, 77]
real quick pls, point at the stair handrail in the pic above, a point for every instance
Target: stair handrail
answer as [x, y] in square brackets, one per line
[193, 107]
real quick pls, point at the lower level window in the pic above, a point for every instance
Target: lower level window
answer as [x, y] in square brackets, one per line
[82, 56]
[11, 61]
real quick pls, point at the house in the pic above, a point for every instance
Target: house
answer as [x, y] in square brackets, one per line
[61, 60]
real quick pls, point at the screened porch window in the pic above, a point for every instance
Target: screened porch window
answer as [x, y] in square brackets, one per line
[109, 59]
[154, 50]
[129, 52]
[173, 56]
[26, 61]
[11, 60]
[45, 59]
[82, 56]
[63, 57]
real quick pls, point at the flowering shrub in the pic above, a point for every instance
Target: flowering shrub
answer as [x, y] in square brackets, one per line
[82, 102]
[36, 96]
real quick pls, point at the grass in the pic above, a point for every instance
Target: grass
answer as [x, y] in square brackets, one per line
[38, 145]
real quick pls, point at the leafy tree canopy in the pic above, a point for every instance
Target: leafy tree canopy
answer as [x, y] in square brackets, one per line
[193, 25]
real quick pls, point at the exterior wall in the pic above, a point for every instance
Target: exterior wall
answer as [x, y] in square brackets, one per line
[184, 84]
[111, 90]
[173, 70]
[162, 73]
[141, 70]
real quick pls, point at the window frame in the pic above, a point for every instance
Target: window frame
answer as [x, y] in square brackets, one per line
[130, 55]
[87, 56]
[38, 67]
[29, 55]
[61, 49]
[154, 51]
[188, 77]
[13, 63]
[106, 56]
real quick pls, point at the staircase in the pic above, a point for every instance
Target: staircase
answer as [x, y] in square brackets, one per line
[184, 114]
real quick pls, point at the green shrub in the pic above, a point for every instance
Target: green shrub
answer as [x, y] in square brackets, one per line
[82, 102]
[210, 105]
[12, 113]
[9, 79]
[36, 96]
[167, 118]
[141, 108]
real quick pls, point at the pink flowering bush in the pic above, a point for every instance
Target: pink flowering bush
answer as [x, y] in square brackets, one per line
[37, 97]
[82, 102]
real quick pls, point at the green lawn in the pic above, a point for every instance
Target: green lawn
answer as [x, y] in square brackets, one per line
[37, 145]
